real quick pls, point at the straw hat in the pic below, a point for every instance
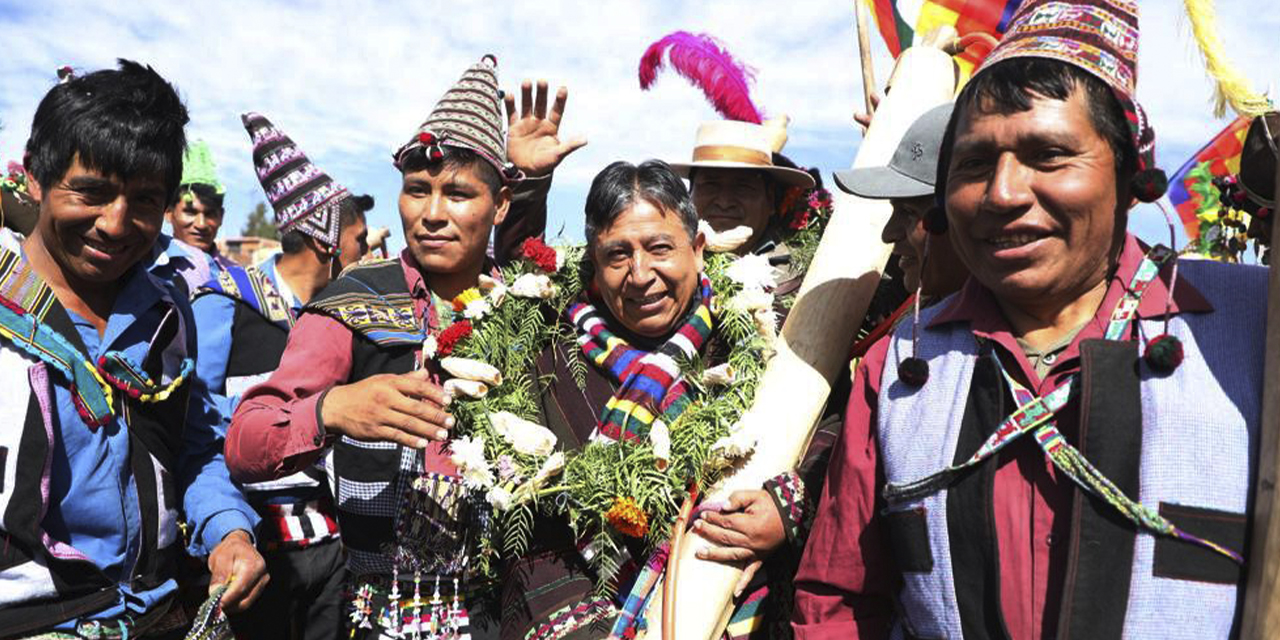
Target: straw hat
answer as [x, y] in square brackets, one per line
[729, 144]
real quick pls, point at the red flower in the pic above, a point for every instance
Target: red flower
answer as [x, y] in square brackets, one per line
[537, 252]
[800, 220]
[449, 338]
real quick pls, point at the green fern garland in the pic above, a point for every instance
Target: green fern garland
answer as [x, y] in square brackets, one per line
[594, 477]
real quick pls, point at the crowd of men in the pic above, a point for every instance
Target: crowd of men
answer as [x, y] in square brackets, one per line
[1055, 435]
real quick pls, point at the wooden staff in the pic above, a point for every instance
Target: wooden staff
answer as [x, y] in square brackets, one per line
[862, 20]
[1261, 600]
[815, 339]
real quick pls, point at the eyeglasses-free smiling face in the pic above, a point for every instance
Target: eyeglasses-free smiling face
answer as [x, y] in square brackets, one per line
[448, 212]
[96, 227]
[194, 222]
[1032, 200]
[647, 268]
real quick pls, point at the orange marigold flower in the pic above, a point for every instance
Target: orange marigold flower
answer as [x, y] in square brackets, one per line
[627, 517]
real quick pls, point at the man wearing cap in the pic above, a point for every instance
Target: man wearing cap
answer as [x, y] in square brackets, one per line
[244, 315]
[928, 264]
[1031, 459]
[353, 376]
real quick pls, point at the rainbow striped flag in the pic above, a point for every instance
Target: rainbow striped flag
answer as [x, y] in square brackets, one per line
[1191, 189]
[900, 21]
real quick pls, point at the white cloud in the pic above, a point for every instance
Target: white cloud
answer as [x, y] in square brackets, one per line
[351, 82]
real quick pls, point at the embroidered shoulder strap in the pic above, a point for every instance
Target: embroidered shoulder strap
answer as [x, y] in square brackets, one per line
[254, 288]
[374, 301]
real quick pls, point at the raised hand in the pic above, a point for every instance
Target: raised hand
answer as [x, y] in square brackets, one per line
[408, 409]
[533, 135]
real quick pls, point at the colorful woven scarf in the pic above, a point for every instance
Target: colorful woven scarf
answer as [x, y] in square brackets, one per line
[650, 384]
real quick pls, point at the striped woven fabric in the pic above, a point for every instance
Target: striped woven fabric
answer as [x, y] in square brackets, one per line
[651, 386]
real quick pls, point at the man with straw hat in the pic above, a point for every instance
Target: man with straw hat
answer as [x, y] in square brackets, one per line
[1063, 448]
[354, 378]
[244, 316]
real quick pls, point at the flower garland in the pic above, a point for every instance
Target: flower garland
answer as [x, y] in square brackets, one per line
[805, 213]
[16, 180]
[609, 492]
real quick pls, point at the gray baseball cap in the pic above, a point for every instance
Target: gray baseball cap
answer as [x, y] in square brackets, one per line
[914, 166]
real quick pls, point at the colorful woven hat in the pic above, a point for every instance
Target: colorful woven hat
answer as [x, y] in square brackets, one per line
[469, 116]
[198, 167]
[305, 198]
[1098, 36]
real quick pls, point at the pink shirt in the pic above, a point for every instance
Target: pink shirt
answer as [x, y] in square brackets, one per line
[276, 429]
[847, 581]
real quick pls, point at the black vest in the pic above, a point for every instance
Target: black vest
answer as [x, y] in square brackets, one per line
[373, 302]
[155, 438]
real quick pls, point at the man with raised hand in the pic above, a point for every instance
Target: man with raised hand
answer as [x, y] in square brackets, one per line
[354, 377]
[106, 435]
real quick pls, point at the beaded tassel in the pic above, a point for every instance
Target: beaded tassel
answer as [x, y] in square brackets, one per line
[417, 604]
[397, 624]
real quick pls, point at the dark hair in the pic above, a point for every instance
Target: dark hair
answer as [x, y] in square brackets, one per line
[364, 202]
[349, 211]
[454, 158]
[1011, 85]
[620, 184]
[293, 241]
[125, 123]
[209, 197]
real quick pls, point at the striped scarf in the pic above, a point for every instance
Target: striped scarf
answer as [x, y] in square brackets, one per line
[650, 384]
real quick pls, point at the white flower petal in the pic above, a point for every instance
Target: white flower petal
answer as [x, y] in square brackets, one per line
[525, 437]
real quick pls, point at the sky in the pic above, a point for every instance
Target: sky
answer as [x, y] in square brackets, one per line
[350, 83]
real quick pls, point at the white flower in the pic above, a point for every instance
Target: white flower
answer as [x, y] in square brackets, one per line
[741, 441]
[718, 375]
[429, 348]
[499, 498]
[456, 387]
[551, 466]
[477, 309]
[766, 321]
[752, 271]
[525, 437]
[560, 257]
[533, 285]
[493, 289]
[724, 241]
[751, 300]
[469, 369]
[660, 436]
[467, 453]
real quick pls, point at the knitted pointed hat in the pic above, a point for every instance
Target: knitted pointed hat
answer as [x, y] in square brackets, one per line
[1098, 36]
[304, 197]
[198, 167]
[469, 116]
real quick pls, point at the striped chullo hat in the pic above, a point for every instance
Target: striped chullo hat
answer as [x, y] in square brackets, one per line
[469, 116]
[1098, 36]
[305, 198]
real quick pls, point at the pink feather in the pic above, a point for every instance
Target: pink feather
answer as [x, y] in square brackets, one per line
[705, 62]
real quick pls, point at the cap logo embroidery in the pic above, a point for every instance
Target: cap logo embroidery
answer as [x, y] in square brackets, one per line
[917, 151]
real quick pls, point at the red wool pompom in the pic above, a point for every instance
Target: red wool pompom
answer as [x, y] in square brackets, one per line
[450, 337]
[537, 252]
